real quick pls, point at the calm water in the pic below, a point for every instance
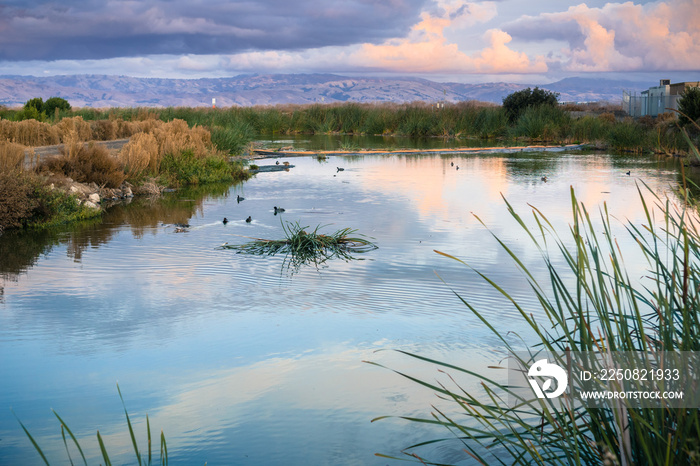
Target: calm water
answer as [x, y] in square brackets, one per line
[242, 361]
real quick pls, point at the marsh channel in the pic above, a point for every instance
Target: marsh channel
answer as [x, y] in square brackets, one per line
[241, 359]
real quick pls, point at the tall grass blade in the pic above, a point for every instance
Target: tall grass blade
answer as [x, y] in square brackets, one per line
[131, 430]
[36, 445]
[105, 456]
[75, 441]
[163, 450]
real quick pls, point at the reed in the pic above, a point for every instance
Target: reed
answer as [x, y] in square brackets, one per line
[140, 155]
[591, 303]
[543, 122]
[76, 127]
[29, 133]
[11, 157]
[143, 457]
[630, 136]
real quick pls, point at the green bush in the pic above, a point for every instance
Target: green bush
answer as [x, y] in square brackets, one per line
[187, 169]
[27, 202]
[18, 202]
[689, 106]
[30, 113]
[54, 103]
[515, 104]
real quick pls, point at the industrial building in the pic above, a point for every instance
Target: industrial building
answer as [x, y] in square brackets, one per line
[655, 100]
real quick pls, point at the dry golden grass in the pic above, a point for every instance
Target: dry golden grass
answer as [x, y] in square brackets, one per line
[145, 150]
[175, 137]
[29, 133]
[11, 157]
[86, 163]
[72, 144]
[140, 154]
[607, 116]
[103, 130]
[74, 127]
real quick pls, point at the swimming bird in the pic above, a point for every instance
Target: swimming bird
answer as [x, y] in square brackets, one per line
[278, 210]
[544, 178]
[628, 173]
[277, 162]
[225, 220]
[457, 167]
[239, 198]
[340, 169]
[249, 219]
[452, 164]
[286, 164]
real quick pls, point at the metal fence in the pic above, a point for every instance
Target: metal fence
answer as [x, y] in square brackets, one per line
[637, 105]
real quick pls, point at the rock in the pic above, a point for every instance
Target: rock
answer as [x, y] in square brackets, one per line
[127, 192]
[91, 205]
[94, 198]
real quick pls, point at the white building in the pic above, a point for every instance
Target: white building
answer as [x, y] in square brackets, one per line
[655, 100]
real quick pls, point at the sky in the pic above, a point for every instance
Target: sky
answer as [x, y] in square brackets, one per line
[443, 40]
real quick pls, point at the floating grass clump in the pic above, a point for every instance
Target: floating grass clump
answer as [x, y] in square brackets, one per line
[303, 247]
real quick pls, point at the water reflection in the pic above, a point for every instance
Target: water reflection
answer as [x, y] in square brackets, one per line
[239, 363]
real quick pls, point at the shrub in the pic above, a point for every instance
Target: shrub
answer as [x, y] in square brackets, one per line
[27, 202]
[18, 202]
[689, 106]
[185, 168]
[55, 103]
[36, 103]
[30, 113]
[515, 104]
[87, 164]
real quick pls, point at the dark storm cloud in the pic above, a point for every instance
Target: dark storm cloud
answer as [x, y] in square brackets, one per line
[108, 29]
[530, 28]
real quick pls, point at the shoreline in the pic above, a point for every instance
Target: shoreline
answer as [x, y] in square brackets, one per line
[263, 154]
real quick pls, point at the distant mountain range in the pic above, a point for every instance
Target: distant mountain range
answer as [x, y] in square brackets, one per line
[246, 90]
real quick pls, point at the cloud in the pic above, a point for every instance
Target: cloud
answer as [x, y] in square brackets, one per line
[424, 50]
[620, 36]
[98, 30]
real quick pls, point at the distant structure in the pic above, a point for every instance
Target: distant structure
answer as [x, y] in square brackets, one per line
[655, 100]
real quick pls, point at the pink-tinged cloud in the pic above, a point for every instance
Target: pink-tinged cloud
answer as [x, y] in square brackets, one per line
[621, 36]
[426, 50]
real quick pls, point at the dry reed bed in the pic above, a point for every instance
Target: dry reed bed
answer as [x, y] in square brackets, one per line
[11, 156]
[145, 150]
[34, 133]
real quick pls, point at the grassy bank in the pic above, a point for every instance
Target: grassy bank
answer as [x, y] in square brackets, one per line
[232, 128]
[157, 155]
